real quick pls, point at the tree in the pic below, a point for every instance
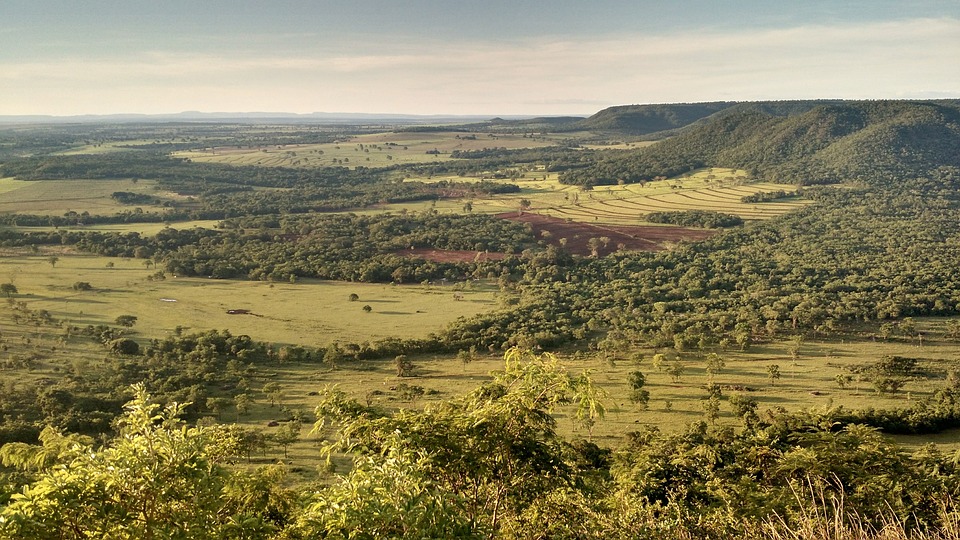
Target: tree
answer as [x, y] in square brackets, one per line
[8, 289]
[354, 297]
[124, 346]
[287, 434]
[126, 320]
[773, 373]
[795, 344]
[715, 364]
[495, 450]
[274, 393]
[389, 497]
[745, 407]
[659, 360]
[404, 366]
[638, 394]
[217, 405]
[242, 402]
[524, 205]
[367, 308]
[711, 408]
[676, 370]
[466, 356]
[157, 479]
[53, 260]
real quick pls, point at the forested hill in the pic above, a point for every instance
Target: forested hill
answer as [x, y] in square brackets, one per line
[647, 119]
[800, 142]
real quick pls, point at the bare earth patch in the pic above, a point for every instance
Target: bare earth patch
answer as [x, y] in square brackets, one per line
[451, 255]
[577, 234]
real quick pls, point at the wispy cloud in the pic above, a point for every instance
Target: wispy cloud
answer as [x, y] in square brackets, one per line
[538, 75]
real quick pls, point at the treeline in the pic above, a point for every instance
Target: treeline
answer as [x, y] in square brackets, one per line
[767, 196]
[706, 219]
[344, 247]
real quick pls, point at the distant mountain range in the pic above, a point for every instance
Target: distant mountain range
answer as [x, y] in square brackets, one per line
[255, 117]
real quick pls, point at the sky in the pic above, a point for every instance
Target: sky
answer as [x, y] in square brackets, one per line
[478, 57]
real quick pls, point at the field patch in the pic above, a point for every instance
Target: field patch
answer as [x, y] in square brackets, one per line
[372, 150]
[57, 197]
[309, 312]
[588, 239]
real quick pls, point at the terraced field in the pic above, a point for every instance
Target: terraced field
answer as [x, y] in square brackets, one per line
[628, 208]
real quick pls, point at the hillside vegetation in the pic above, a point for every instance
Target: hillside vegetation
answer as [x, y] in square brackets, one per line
[870, 142]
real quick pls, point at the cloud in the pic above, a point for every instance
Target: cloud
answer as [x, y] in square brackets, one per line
[540, 75]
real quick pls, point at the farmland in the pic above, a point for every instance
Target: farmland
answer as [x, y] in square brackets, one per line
[372, 150]
[59, 197]
[697, 303]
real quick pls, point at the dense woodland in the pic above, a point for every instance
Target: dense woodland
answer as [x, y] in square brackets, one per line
[879, 245]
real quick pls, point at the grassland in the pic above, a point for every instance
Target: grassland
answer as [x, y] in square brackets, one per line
[57, 197]
[308, 313]
[807, 382]
[373, 150]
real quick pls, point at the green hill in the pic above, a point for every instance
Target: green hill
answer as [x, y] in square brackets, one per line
[800, 142]
[648, 119]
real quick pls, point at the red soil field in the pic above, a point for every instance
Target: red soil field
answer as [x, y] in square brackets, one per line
[635, 238]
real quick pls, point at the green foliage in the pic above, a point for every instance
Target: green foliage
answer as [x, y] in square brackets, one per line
[126, 320]
[801, 143]
[385, 497]
[495, 450]
[706, 219]
[155, 480]
[124, 346]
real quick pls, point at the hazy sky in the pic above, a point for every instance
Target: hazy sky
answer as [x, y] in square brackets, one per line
[503, 57]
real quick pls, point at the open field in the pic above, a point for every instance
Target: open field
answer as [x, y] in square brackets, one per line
[57, 197]
[374, 150]
[308, 313]
[145, 229]
[805, 383]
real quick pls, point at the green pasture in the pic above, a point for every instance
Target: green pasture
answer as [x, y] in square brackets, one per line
[373, 150]
[144, 229]
[309, 313]
[807, 382]
[57, 197]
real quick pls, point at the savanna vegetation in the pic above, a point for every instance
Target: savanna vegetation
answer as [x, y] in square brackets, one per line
[746, 384]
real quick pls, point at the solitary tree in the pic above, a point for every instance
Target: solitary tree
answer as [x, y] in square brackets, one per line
[8, 289]
[773, 372]
[638, 394]
[676, 370]
[126, 320]
[53, 260]
[715, 364]
[404, 366]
